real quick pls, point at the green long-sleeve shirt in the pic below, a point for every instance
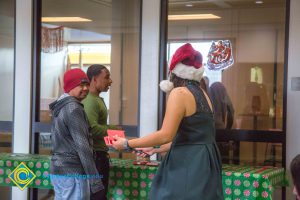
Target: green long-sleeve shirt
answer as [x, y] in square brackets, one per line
[96, 111]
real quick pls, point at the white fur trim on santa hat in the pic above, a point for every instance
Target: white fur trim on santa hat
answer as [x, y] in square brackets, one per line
[188, 72]
[166, 85]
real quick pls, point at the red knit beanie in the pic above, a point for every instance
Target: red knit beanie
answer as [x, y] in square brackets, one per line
[73, 78]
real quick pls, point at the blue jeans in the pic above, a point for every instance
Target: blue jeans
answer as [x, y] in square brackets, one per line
[70, 188]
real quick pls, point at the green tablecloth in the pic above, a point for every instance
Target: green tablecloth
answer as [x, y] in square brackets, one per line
[248, 183]
[132, 182]
[128, 181]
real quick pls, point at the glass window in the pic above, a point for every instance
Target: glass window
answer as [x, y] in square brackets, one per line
[7, 37]
[84, 55]
[258, 153]
[104, 32]
[7, 18]
[254, 80]
[243, 45]
[45, 144]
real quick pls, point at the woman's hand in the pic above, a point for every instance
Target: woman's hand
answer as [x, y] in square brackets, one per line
[118, 143]
[145, 152]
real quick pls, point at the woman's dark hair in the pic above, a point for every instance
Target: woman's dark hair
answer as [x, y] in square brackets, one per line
[95, 70]
[203, 85]
[180, 82]
[224, 112]
[295, 170]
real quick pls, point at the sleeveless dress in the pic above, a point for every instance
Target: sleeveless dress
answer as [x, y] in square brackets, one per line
[192, 168]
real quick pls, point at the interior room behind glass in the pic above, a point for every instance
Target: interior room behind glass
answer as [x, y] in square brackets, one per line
[254, 83]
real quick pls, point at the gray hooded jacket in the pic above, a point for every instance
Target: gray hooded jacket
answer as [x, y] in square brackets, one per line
[72, 152]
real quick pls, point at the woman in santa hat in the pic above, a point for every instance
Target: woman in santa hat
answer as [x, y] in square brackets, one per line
[192, 167]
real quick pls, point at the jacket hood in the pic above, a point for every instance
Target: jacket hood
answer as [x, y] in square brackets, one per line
[57, 105]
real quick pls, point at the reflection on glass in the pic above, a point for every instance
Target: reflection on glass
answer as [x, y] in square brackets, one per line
[7, 18]
[45, 144]
[261, 154]
[256, 104]
[7, 59]
[5, 142]
[5, 147]
[255, 81]
[251, 153]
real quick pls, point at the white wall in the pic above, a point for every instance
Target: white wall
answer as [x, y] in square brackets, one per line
[149, 67]
[22, 90]
[293, 97]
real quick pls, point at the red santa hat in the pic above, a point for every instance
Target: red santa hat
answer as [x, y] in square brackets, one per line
[186, 63]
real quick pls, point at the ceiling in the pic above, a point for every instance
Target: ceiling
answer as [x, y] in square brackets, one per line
[97, 11]
[107, 18]
[176, 5]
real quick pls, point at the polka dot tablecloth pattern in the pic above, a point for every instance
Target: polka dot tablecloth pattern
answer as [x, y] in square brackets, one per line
[128, 181]
[133, 182]
[251, 183]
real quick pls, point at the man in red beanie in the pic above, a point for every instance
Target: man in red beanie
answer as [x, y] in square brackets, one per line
[73, 170]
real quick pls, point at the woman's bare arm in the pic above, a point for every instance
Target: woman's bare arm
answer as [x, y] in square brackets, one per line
[176, 109]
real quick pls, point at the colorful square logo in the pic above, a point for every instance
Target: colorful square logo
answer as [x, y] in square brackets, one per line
[22, 176]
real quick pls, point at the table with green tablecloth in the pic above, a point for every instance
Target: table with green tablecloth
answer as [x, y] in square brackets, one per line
[249, 182]
[128, 181]
[133, 182]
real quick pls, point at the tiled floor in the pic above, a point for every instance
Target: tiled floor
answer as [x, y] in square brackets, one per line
[45, 195]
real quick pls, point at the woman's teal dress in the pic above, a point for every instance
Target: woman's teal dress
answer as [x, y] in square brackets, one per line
[192, 168]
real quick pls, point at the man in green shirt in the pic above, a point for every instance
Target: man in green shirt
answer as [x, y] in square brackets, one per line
[96, 111]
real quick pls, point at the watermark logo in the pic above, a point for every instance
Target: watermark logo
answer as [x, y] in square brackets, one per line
[77, 176]
[22, 176]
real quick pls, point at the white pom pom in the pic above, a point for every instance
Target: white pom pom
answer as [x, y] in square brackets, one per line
[166, 85]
